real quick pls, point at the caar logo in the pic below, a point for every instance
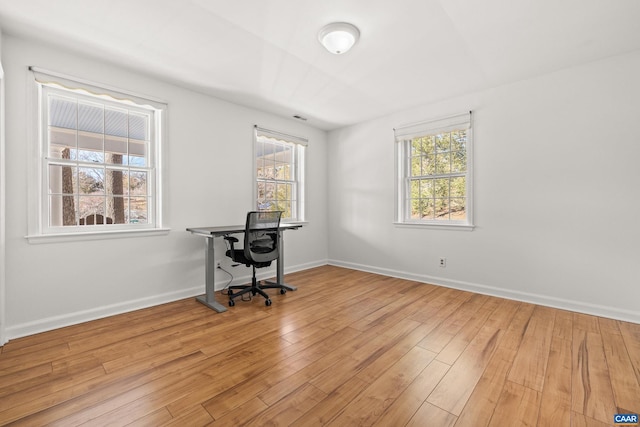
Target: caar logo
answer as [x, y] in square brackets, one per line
[629, 419]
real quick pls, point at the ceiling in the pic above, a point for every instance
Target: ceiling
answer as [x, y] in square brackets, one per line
[265, 53]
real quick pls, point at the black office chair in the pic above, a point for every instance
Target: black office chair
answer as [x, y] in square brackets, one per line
[260, 248]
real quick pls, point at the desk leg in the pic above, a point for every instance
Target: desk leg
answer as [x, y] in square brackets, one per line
[280, 265]
[209, 298]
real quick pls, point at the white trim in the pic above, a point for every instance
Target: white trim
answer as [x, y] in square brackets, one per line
[38, 229]
[447, 226]
[44, 75]
[544, 300]
[97, 235]
[402, 168]
[61, 321]
[55, 322]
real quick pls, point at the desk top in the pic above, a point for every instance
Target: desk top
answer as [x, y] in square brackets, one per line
[232, 229]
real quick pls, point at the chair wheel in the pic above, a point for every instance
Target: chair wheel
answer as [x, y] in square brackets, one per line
[283, 291]
[267, 302]
[231, 303]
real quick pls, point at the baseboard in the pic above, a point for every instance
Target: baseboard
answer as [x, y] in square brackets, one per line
[55, 322]
[548, 301]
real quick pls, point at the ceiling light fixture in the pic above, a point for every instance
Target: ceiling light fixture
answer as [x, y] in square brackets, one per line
[338, 37]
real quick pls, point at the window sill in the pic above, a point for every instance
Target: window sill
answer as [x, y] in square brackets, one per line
[456, 227]
[97, 235]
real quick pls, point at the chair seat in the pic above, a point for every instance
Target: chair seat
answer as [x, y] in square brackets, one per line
[238, 256]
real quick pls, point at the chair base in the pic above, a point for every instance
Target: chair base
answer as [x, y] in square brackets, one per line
[255, 288]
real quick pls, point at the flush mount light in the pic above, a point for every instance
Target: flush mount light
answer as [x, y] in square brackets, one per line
[338, 37]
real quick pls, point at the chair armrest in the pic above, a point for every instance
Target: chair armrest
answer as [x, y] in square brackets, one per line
[231, 239]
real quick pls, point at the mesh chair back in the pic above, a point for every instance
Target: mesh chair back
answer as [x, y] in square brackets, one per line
[261, 236]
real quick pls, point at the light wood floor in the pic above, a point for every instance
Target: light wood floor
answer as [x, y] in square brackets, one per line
[348, 348]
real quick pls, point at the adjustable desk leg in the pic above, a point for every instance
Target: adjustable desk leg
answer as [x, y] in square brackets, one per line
[280, 265]
[209, 298]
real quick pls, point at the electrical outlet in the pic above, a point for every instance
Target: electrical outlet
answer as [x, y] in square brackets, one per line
[218, 264]
[443, 262]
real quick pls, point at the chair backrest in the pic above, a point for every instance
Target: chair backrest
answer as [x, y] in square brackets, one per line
[261, 236]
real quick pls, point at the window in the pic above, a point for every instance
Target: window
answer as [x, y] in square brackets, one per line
[434, 172]
[99, 158]
[280, 161]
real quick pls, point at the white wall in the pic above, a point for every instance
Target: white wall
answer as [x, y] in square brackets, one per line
[556, 194]
[210, 165]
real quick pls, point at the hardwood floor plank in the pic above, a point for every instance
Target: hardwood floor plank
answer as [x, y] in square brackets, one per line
[631, 336]
[481, 404]
[440, 336]
[461, 340]
[531, 361]
[347, 348]
[355, 361]
[289, 409]
[196, 416]
[626, 389]
[327, 409]
[592, 395]
[411, 399]
[431, 415]
[518, 406]
[555, 406]
[369, 405]
[458, 384]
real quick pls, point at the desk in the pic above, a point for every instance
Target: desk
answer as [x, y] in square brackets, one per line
[209, 233]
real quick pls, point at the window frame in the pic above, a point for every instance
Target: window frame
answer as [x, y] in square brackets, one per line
[404, 137]
[40, 229]
[298, 147]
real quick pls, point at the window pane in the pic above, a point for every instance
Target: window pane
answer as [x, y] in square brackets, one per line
[443, 163]
[116, 149]
[428, 165]
[416, 166]
[458, 209]
[270, 191]
[138, 153]
[63, 179]
[138, 183]
[91, 180]
[415, 188]
[441, 187]
[62, 143]
[459, 161]
[443, 142]
[427, 209]
[458, 186]
[426, 188]
[116, 181]
[138, 210]
[442, 209]
[90, 147]
[116, 122]
[261, 191]
[91, 210]
[62, 211]
[416, 147]
[90, 117]
[139, 126]
[116, 209]
[459, 140]
[428, 145]
[63, 112]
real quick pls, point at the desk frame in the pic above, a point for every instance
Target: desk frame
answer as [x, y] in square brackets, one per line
[210, 233]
